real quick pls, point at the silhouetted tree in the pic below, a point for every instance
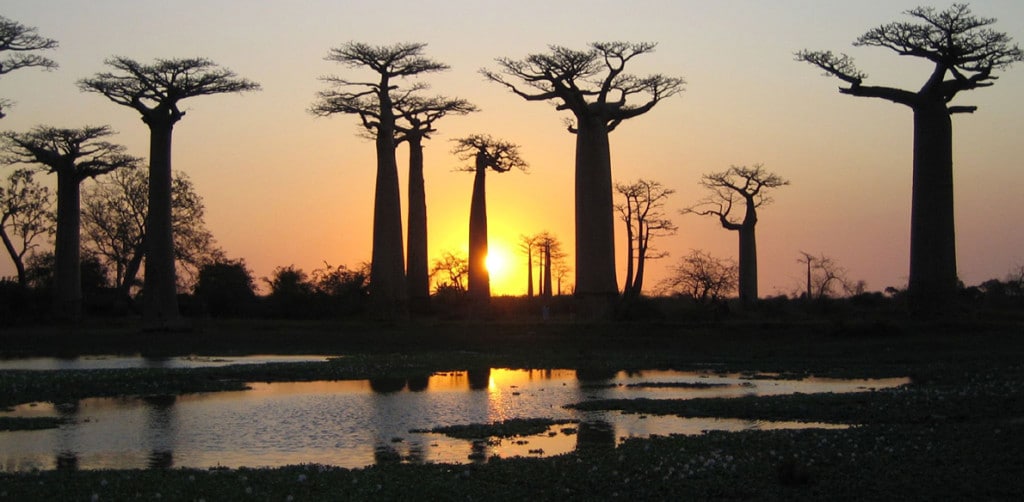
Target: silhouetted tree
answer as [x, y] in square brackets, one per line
[22, 42]
[449, 271]
[526, 245]
[417, 117]
[498, 156]
[549, 254]
[702, 277]
[824, 276]
[964, 53]
[225, 288]
[114, 225]
[73, 155]
[26, 214]
[642, 213]
[749, 186]
[592, 86]
[374, 103]
[155, 91]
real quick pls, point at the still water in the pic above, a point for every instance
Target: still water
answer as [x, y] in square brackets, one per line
[362, 422]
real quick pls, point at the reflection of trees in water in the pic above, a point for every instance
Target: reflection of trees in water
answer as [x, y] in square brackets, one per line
[418, 383]
[594, 435]
[595, 374]
[67, 461]
[161, 430]
[384, 385]
[479, 378]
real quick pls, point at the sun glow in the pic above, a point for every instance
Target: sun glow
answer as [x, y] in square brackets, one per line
[498, 262]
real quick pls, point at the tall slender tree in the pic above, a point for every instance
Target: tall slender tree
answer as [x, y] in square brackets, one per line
[26, 214]
[374, 103]
[642, 213]
[749, 186]
[487, 154]
[964, 54]
[74, 155]
[527, 244]
[416, 123]
[22, 42]
[154, 91]
[592, 85]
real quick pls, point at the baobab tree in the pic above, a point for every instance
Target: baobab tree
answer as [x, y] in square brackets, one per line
[154, 91]
[527, 243]
[22, 42]
[416, 118]
[373, 102]
[644, 218]
[498, 156]
[591, 85]
[74, 155]
[549, 253]
[964, 53]
[749, 186]
[26, 214]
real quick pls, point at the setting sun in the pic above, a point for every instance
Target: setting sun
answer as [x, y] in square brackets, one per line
[497, 262]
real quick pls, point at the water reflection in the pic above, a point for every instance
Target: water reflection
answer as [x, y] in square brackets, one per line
[146, 361]
[360, 423]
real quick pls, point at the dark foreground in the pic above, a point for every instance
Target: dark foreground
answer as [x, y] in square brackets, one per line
[955, 433]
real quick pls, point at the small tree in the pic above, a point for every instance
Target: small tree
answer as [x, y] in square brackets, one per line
[498, 156]
[964, 53]
[26, 214]
[449, 272]
[642, 213]
[592, 85]
[825, 277]
[749, 186]
[114, 227]
[155, 91]
[74, 155]
[225, 288]
[702, 277]
[22, 42]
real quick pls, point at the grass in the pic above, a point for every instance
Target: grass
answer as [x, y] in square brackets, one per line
[955, 433]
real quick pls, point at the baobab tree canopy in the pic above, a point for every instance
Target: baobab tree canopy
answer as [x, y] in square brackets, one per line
[154, 90]
[965, 53]
[592, 85]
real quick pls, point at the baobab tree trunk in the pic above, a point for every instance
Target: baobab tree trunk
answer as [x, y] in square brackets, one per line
[417, 273]
[748, 265]
[933, 279]
[388, 292]
[596, 284]
[547, 270]
[160, 293]
[627, 289]
[19, 264]
[529, 271]
[641, 262]
[67, 299]
[479, 278]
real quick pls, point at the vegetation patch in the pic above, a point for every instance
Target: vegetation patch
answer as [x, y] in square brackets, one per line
[28, 423]
[504, 429]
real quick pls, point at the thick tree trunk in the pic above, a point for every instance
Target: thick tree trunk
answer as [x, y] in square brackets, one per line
[417, 272]
[67, 298]
[547, 270]
[933, 279]
[627, 289]
[160, 291]
[748, 264]
[479, 278]
[596, 284]
[388, 291]
[529, 272]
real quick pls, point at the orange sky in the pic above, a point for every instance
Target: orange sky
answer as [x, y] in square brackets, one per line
[282, 187]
